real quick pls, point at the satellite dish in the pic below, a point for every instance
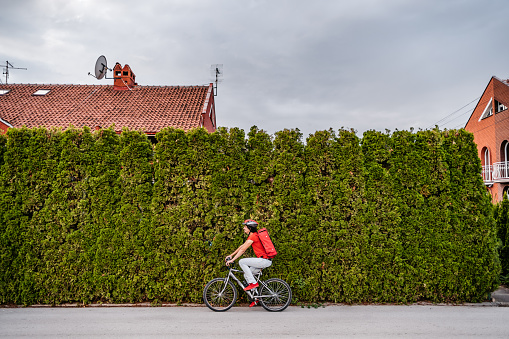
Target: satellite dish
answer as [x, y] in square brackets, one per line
[101, 67]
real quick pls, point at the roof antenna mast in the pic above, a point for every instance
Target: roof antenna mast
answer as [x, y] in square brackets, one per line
[6, 70]
[217, 72]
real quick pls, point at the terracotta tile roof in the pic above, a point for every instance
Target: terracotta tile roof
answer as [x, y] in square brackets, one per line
[148, 108]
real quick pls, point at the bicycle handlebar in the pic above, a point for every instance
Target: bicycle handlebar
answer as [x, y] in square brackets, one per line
[229, 267]
[228, 258]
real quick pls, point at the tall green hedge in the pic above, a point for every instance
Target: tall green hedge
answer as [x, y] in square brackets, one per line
[501, 214]
[100, 217]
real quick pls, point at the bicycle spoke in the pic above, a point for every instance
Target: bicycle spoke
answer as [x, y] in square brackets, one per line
[276, 295]
[219, 294]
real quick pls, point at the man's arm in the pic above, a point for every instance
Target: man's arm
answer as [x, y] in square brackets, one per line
[238, 252]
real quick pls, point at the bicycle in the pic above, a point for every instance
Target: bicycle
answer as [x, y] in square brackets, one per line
[274, 294]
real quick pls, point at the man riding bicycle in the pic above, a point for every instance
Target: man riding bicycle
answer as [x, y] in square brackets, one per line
[250, 266]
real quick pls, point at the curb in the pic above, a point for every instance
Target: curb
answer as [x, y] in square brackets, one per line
[145, 304]
[501, 304]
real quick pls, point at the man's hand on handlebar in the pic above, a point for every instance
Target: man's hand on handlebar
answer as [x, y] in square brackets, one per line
[228, 260]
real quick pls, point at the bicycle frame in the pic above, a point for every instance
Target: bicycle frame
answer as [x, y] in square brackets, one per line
[250, 292]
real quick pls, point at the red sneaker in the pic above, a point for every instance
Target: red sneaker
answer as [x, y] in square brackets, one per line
[251, 286]
[254, 303]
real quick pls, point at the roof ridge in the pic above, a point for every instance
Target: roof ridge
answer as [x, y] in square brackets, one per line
[178, 86]
[82, 85]
[504, 81]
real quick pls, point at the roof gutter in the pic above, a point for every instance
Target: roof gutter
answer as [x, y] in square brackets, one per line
[6, 123]
[210, 93]
[209, 101]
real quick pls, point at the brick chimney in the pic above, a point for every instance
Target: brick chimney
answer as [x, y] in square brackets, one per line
[123, 78]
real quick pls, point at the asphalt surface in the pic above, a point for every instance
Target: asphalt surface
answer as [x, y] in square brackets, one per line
[420, 321]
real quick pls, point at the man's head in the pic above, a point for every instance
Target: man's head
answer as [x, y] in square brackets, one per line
[251, 225]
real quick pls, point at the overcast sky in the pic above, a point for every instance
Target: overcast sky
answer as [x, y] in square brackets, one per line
[312, 65]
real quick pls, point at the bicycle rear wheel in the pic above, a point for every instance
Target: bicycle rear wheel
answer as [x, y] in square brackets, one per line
[219, 294]
[276, 295]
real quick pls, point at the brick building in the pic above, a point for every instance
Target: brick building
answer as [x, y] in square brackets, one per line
[123, 104]
[489, 123]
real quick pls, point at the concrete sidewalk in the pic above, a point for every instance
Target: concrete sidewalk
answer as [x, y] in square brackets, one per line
[501, 296]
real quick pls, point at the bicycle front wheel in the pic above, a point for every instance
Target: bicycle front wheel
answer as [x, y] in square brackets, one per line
[219, 294]
[275, 295]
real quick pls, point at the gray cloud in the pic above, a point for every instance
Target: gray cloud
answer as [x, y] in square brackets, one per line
[359, 64]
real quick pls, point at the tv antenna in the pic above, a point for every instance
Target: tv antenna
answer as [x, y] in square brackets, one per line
[217, 72]
[101, 67]
[6, 70]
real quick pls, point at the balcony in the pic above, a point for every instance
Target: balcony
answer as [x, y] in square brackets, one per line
[501, 171]
[487, 174]
[498, 172]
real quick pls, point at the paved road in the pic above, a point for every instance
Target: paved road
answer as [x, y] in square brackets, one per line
[240, 322]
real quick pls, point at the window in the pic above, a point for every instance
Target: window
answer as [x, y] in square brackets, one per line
[4, 91]
[488, 111]
[506, 192]
[503, 166]
[504, 151]
[486, 165]
[42, 92]
[500, 106]
[487, 160]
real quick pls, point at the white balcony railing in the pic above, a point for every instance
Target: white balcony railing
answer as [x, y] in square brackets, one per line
[501, 171]
[487, 173]
[498, 172]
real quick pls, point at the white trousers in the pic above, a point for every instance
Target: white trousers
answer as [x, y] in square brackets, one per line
[252, 266]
